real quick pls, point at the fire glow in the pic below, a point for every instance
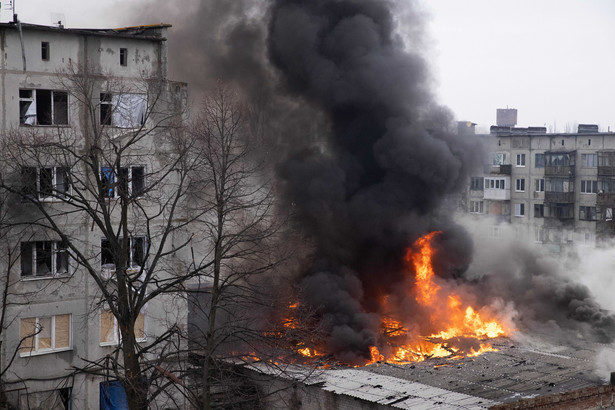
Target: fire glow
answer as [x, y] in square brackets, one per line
[450, 328]
[457, 330]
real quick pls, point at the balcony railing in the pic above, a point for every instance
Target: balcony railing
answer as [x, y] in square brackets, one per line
[606, 171]
[605, 198]
[559, 171]
[559, 197]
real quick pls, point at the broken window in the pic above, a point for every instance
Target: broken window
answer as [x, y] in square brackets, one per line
[45, 50]
[499, 158]
[539, 210]
[47, 183]
[136, 253]
[123, 56]
[123, 110]
[43, 107]
[129, 181]
[45, 334]
[44, 259]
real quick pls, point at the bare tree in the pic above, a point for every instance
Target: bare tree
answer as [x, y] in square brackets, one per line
[243, 230]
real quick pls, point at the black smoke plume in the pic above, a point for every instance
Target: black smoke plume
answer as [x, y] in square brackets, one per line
[363, 154]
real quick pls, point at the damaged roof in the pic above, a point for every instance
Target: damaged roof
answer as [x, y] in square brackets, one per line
[146, 32]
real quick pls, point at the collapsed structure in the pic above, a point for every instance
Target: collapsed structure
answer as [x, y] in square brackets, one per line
[60, 324]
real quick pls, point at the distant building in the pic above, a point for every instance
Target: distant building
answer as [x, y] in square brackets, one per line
[556, 188]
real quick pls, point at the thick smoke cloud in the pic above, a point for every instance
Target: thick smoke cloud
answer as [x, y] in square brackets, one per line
[363, 154]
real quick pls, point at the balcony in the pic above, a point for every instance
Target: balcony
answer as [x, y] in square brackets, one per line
[559, 197]
[605, 198]
[559, 171]
[556, 222]
[497, 194]
[606, 171]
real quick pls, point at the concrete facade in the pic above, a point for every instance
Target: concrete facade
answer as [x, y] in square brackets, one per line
[552, 188]
[46, 378]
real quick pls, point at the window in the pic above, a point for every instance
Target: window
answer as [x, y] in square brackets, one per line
[499, 158]
[540, 185]
[519, 209]
[559, 185]
[539, 211]
[520, 185]
[45, 50]
[589, 187]
[608, 214]
[44, 259]
[109, 332]
[45, 334]
[476, 207]
[130, 181]
[520, 160]
[137, 251]
[589, 160]
[43, 107]
[495, 183]
[476, 183]
[46, 183]
[123, 56]
[123, 110]
[539, 160]
[587, 213]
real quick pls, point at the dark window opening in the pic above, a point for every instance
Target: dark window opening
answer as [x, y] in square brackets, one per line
[43, 107]
[124, 56]
[107, 181]
[106, 108]
[45, 50]
[44, 258]
[539, 210]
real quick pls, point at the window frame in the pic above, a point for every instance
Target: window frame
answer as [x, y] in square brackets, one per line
[33, 107]
[131, 258]
[585, 162]
[520, 160]
[114, 182]
[35, 350]
[56, 249]
[539, 163]
[520, 210]
[123, 56]
[54, 195]
[45, 51]
[520, 185]
[539, 185]
[122, 110]
[477, 207]
[584, 210]
[115, 331]
[591, 184]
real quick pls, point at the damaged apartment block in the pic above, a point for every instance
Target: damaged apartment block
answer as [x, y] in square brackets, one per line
[61, 332]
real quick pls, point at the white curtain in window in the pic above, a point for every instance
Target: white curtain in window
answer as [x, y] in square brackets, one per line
[129, 110]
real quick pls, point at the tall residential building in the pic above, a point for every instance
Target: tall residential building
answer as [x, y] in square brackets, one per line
[556, 188]
[55, 325]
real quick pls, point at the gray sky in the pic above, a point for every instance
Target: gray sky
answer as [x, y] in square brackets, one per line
[553, 60]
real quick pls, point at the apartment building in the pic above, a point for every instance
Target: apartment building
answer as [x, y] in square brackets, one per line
[56, 325]
[556, 188]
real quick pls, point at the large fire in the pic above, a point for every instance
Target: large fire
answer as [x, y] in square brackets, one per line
[449, 327]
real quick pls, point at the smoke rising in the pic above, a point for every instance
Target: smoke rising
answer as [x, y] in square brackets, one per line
[363, 153]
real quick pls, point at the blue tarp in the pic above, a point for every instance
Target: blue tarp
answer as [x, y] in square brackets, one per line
[113, 396]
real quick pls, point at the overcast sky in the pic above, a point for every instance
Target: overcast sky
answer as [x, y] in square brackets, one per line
[553, 60]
